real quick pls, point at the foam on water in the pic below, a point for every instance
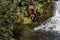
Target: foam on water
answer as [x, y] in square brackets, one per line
[52, 24]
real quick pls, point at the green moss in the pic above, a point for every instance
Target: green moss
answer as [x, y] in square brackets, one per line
[26, 20]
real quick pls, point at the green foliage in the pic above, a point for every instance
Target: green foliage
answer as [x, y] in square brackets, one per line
[9, 16]
[40, 11]
[26, 20]
[7, 19]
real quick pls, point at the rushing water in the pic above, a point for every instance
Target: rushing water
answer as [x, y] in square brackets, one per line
[52, 24]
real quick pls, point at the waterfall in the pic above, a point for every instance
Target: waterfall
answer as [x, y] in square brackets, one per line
[52, 24]
[57, 8]
[53, 21]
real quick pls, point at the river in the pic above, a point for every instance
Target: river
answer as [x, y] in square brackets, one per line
[52, 24]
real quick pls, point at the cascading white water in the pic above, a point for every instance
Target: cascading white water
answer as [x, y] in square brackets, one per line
[52, 24]
[53, 21]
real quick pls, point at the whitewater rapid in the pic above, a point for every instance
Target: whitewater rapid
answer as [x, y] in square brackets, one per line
[53, 23]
